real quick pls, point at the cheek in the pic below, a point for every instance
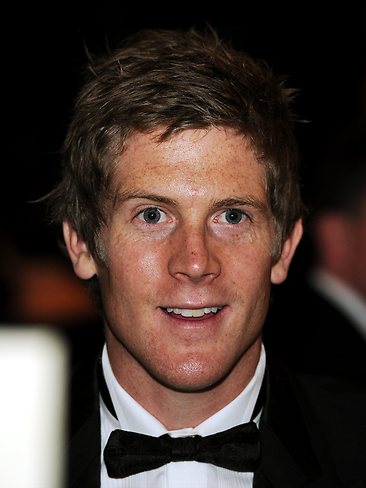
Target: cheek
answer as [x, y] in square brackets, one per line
[133, 261]
[251, 286]
[250, 267]
[141, 267]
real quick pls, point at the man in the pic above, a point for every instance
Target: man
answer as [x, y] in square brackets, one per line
[180, 204]
[331, 331]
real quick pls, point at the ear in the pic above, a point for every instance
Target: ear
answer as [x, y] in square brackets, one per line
[280, 268]
[82, 261]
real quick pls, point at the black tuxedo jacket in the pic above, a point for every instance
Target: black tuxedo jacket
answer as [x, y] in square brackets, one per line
[309, 438]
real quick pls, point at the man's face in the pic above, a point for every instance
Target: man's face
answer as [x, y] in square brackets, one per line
[188, 260]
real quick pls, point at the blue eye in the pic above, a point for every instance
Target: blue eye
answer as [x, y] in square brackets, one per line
[233, 216]
[152, 215]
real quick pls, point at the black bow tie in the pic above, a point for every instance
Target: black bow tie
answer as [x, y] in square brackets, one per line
[128, 453]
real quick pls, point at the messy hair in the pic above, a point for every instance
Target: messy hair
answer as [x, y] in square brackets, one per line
[172, 80]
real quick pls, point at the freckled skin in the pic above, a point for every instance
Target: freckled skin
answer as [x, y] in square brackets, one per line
[192, 257]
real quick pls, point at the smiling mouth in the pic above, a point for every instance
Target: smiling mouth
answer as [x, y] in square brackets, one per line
[195, 312]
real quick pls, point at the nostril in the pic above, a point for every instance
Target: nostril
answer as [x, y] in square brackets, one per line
[192, 257]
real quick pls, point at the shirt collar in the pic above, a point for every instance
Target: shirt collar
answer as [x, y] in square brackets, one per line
[132, 416]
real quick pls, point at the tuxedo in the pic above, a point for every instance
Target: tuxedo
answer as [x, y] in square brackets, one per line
[313, 433]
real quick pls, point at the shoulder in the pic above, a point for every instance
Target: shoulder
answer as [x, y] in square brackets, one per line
[84, 424]
[336, 399]
[339, 406]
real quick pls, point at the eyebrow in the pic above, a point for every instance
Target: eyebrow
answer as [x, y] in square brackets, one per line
[124, 196]
[215, 205]
[239, 202]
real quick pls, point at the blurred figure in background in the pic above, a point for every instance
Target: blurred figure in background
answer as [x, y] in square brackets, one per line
[330, 300]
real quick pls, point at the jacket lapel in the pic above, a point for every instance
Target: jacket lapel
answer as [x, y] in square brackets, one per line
[85, 455]
[292, 454]
[84, 448]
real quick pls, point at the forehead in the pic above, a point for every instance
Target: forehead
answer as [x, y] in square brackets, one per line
[199, 160]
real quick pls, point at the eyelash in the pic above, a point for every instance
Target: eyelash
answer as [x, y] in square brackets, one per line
[143, 214]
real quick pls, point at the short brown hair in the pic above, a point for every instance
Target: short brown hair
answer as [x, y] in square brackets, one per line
[174, 80]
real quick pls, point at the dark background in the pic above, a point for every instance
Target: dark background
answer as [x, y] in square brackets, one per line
[320, 47]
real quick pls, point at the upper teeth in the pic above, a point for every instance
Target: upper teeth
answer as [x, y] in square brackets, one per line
[198, 312]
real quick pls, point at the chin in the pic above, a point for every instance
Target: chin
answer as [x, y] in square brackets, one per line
[192, 376]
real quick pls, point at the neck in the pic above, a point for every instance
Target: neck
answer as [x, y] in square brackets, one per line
[177, 409]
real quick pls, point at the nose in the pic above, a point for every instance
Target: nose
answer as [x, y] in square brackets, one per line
[192, 257]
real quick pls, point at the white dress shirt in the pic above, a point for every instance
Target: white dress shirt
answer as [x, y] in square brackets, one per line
[186, 474]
